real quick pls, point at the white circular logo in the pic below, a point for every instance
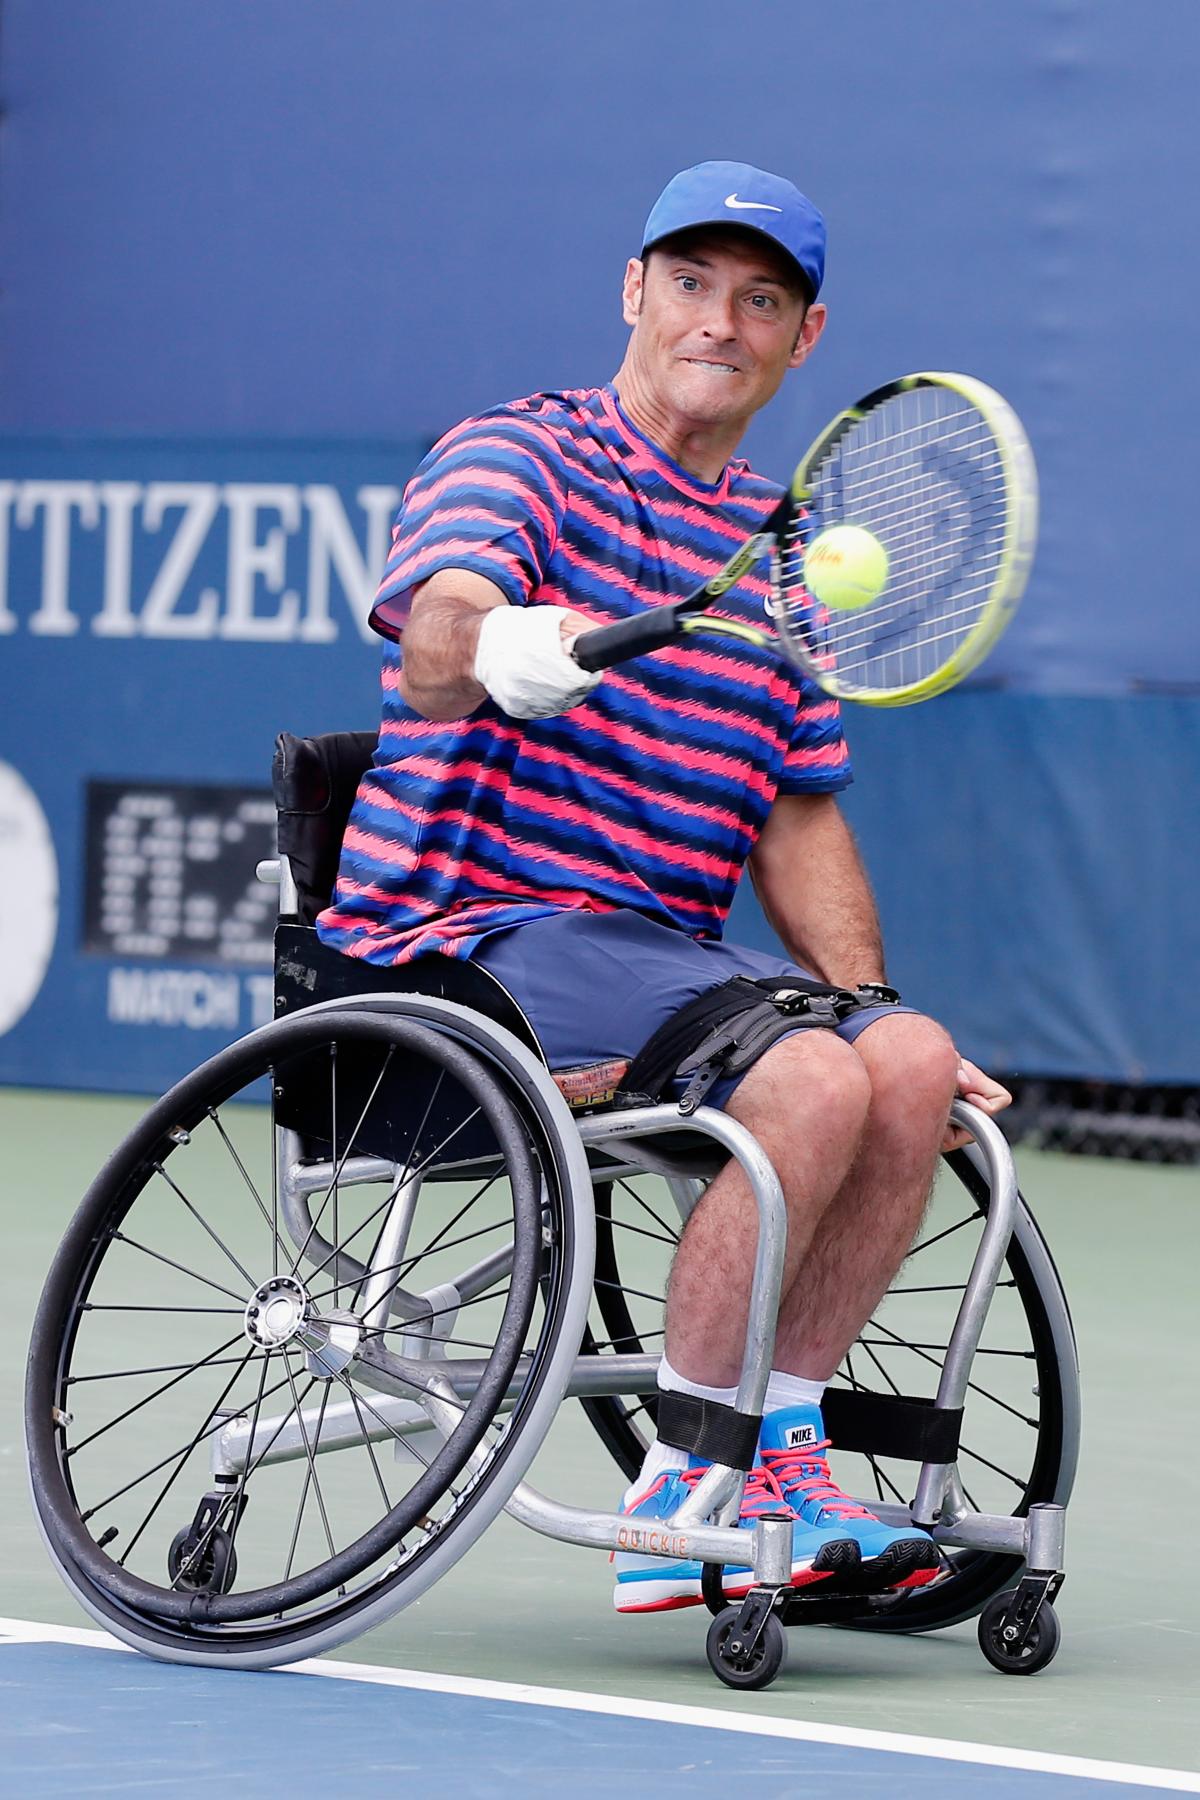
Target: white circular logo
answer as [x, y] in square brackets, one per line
[28, 896]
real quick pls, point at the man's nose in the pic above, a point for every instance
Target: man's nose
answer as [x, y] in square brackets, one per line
[720, 318]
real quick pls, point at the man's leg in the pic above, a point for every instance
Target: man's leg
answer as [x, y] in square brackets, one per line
[806, 1101]
[868, 1227]
[852, 1218]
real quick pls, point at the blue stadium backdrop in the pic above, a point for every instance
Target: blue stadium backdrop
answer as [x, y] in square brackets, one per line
[254, 259]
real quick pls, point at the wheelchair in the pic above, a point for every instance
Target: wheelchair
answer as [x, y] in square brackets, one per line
[316, 1314]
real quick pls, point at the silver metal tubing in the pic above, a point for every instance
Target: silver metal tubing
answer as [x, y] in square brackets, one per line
[310, 1177]
[481, 1275]
[1045, 1537]
[686, 1193]
[289, 898]
[772, 1218]
[342, 1427]
[977, 1296]
[389, 1252]
[592, 1375]
[298, 1179]
[650, 1537]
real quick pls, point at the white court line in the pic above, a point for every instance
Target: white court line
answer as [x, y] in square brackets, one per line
[1179, 1781]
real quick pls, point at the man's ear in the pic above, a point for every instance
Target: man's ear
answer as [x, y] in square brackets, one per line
[631, 292]
[810, 331]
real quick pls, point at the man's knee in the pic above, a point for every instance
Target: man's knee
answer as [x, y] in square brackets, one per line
[911, 1059]
[810, 1075]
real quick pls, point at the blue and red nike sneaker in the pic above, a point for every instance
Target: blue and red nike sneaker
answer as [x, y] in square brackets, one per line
[792, 1446]
[649, 1583]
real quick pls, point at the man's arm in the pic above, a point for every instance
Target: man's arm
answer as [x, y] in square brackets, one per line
[441, 650]
[440, 641]
[813, 888]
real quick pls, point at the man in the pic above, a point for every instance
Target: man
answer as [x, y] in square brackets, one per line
[581, 836]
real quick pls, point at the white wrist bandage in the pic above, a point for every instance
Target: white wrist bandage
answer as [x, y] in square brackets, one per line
[521, 662]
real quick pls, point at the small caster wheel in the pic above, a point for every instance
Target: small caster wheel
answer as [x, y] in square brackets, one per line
[213, 1571]
[1039, 1648]
[731, 1667]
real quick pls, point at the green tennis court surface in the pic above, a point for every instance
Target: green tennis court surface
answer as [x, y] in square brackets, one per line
[522, 1609]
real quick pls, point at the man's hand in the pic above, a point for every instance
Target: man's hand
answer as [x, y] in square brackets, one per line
[523, 660]
[981, 1091]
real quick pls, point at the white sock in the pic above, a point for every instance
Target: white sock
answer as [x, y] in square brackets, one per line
[671, 1381]
[791, 1390]
[660, 1458]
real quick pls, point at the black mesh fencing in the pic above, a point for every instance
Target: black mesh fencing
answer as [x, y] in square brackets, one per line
[1100, 1118]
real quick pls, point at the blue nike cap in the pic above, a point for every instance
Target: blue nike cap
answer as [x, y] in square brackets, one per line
[731, 193]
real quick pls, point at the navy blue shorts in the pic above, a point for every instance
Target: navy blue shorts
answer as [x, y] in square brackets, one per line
[596, 986]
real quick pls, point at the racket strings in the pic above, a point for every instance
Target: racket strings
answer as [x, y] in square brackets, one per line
[923, 472]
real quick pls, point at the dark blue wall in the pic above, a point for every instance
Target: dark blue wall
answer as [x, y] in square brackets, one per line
[362, 220]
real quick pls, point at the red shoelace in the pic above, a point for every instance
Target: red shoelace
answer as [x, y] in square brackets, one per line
[806, 1473]
[762, 1493]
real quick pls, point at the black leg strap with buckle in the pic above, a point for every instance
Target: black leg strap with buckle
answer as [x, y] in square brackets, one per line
[728, 1028]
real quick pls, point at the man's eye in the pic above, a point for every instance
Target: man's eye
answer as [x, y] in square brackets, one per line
[689, 284]
[762, 302]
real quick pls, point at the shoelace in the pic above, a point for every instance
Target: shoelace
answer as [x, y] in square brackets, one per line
[807, 1472]
[762, 1494]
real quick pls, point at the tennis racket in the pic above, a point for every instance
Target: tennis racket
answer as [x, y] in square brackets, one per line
[938, 469]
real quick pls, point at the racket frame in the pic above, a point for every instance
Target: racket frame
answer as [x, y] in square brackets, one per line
[1016, 555]
[667, 624]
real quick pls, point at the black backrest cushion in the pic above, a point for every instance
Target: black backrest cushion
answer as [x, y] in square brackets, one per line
[315, 780]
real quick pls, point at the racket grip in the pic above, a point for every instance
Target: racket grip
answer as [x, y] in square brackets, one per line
[627, 638]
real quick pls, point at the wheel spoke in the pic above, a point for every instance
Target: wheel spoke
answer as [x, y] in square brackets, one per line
[902, 1343]
[655, 1237]
[206, 1431]
[232, 1500]
[119, 1237]
[407, 1263]
[387, 1504]
[203, 1222]
[994, 1467]
[631, 1337]
[310, 1454]
[186, 1370]
[927, 1243]
[339, 1165]
[665, 1224]
[213, 1362]
[174, 1473]
[239, 1165]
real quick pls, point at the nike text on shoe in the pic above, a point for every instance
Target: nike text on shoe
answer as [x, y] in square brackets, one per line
[793, 1446]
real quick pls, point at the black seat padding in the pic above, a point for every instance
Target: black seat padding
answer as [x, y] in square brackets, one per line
[315, 780]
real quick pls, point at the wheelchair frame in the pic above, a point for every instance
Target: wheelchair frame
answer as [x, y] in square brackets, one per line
[746, 1642]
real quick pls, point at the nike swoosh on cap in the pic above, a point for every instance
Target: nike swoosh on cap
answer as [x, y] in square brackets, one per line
[750, 205]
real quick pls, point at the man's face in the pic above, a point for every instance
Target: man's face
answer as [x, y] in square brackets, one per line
[718, 322]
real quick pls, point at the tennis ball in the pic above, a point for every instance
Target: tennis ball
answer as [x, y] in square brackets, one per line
[845, 567]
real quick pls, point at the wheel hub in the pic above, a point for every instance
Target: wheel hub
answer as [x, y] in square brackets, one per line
[276, 1312]
[281, 1312]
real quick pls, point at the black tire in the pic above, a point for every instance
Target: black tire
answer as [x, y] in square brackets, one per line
[770, 1653]
[1040, 1646]
[614, 1416]
[629, 1316]
[339, 1580]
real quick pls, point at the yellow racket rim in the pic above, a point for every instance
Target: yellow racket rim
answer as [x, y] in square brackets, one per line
[1013, 562]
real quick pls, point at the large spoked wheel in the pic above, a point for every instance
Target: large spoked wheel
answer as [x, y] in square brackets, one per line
[280, 1380]
[1021, 1424]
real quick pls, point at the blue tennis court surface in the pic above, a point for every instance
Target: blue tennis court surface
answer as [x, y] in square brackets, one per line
[78, 1717]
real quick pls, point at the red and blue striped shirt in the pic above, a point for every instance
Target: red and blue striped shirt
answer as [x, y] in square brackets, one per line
[652, 792]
